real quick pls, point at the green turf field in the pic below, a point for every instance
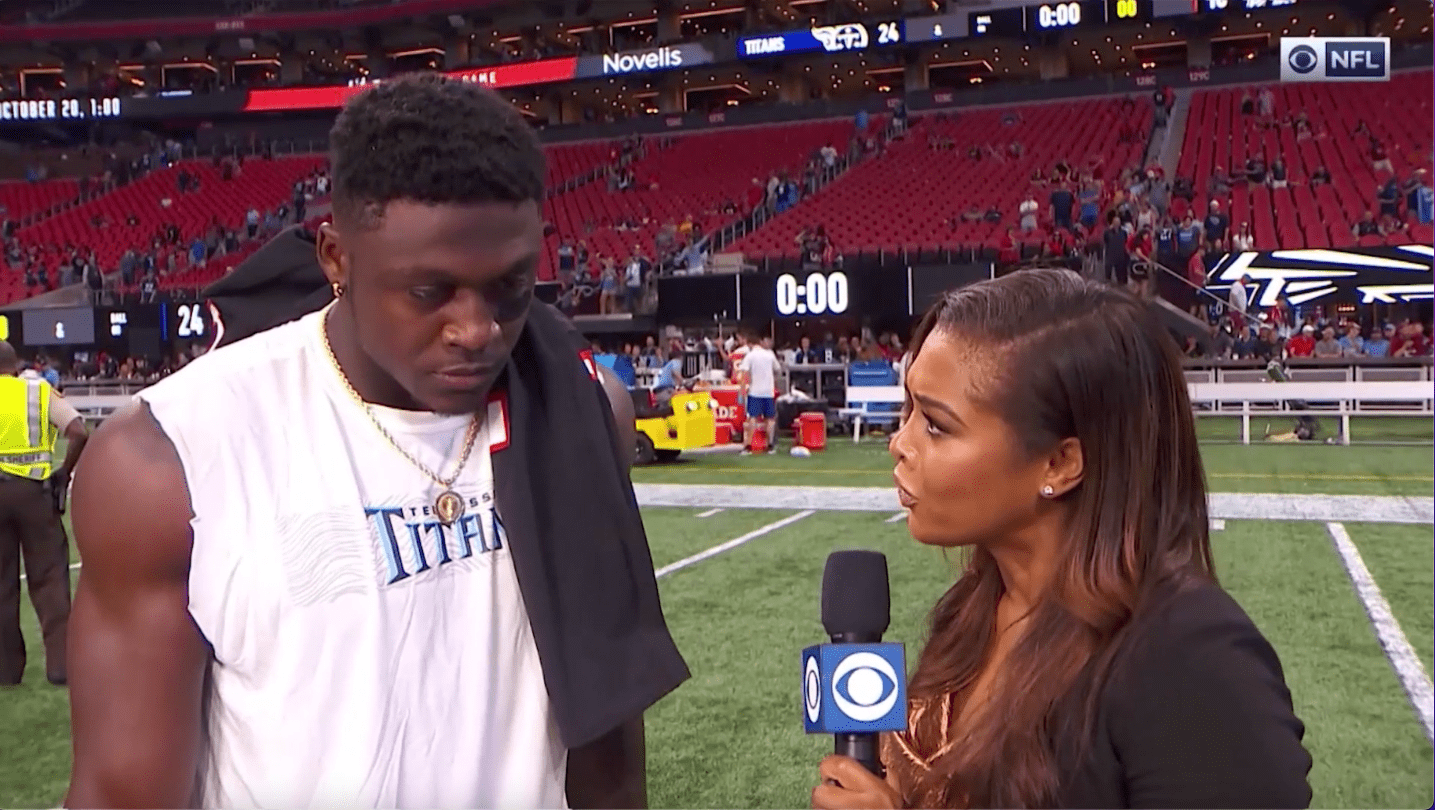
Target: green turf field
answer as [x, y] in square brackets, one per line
[732, 736]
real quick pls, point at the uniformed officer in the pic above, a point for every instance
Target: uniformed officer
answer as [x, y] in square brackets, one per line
[32, 498]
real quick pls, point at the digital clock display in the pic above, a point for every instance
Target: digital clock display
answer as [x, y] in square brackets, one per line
[59, 109]
[817, 294]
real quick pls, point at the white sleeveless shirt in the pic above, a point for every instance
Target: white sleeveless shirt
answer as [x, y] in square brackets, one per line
[366, 655]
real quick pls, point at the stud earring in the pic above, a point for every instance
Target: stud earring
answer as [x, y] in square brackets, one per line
[1047, 491]
[338, 289]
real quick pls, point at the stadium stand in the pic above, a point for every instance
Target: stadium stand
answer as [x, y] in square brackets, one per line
[913, 195]
[21, 200]
[262, 184]
[696, 175]
[1313, 125]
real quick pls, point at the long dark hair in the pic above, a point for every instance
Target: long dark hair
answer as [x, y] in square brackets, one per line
[1076, 359]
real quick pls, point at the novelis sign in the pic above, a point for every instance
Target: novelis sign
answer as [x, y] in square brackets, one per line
[665, 58]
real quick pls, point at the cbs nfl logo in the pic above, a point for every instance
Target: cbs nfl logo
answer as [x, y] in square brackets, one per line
[1335, 59]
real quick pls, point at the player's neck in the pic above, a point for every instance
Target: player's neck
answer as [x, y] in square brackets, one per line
[372, 383]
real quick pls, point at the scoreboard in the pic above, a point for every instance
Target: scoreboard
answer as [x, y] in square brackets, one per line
[1015, 20]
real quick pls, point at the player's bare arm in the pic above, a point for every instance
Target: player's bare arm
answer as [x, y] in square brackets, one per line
[137, 661]
[610, 771]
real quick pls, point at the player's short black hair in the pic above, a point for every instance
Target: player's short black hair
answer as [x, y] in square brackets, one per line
[431, 139]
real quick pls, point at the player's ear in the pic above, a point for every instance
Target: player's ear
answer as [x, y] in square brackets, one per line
[329, 249]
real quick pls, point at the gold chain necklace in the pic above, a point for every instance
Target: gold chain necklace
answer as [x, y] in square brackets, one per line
[448, 506]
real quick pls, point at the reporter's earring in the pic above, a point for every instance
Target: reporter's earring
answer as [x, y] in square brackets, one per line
[338, 289]
[1048, 491]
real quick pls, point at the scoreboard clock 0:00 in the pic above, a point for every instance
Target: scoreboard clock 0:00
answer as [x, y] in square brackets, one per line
[816, 294]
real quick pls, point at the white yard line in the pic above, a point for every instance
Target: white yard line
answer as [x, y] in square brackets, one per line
[733, 543]
[72, 568]
[897, 518]
[709, 513]
[1403, 659]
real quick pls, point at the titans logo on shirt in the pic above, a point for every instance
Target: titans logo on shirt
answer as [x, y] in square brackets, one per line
[413, 541]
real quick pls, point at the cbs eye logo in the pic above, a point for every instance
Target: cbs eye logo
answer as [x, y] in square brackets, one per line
[864, 687]
[1303, 59]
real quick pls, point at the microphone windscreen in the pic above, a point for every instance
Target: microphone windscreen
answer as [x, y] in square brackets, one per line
[855, 594]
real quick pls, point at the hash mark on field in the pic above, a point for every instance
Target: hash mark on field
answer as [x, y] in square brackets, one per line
[897, 518]
[709, 513]
[733, 543]
[1407, 666]
[1218, 524]
[23, 577]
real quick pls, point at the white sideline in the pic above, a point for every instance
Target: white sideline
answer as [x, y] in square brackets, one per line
[1402, 657]
[709, 513]
[733, 543]
[897, 518]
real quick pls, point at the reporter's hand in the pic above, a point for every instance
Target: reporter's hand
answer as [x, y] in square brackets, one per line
[846, 785]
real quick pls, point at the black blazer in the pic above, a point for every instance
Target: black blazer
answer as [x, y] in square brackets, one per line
[1196, 713]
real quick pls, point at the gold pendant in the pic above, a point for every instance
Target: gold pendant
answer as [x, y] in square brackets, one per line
[448, 506]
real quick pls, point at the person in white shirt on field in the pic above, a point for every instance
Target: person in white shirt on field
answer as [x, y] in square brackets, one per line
[760, 370]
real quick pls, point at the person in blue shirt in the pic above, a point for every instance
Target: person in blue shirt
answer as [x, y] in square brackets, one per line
[50, 374]
[1188, 237]
[670, 378]
[1378, 344]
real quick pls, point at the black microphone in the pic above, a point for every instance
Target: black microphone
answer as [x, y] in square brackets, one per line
[855, 687]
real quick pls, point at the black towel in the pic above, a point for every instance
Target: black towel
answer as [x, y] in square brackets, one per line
[578, 544]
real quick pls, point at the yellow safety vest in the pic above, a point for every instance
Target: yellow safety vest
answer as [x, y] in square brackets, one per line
[27, 439]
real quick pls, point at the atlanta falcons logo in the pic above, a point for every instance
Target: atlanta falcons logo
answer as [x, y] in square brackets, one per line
[1375, 275]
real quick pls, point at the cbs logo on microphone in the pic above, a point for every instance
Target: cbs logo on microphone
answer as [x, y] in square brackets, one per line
[1335, 59]
[854, 688]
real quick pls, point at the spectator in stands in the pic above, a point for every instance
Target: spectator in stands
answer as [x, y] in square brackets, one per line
[1266, 346]
[634, 274]
[608, 288]
[1351, 343]
[567, 258]
[1378, 344]
[1139, 247]
[1219, 344]
[1266, 103]
[1410, 341]
[1188, 238]
[1367, 226]
[1327, 347]
[1243, 241]
[1320, 175]
[1390, 224]
[251, 222]
[1220, 183]
[1027, 212]
[1279, 177]
[1117, 262]
[1388, 198]
[1158, 193]
[1303, 343]
[1379, 158]
[1239, 299]
[1256, 170]
[1061, 203]
[1419, 200]
[1089, 201]
[1215, 226]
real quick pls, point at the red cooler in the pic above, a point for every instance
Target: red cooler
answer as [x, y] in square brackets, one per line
[812, 431]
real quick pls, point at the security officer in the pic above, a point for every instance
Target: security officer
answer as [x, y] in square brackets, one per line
[32, 498]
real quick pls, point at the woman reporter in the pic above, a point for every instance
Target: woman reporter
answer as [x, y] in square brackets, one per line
[1086, 656]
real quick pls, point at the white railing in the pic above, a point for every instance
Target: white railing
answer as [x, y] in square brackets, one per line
[1342, 400]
